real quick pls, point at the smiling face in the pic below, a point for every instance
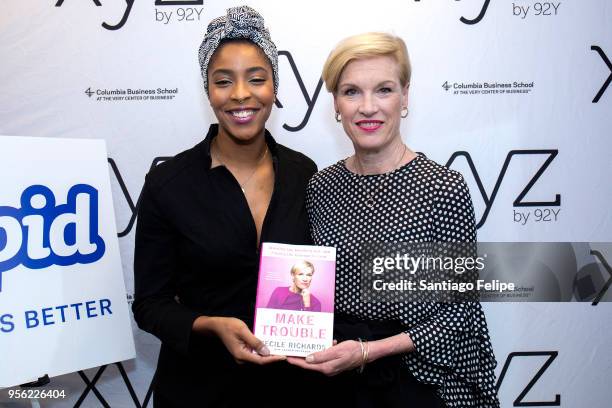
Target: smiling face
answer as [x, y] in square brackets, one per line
[241, 90]
[369, 99]
[302, 277]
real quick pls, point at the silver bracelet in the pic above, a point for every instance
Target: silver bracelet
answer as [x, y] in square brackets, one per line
[365, 350]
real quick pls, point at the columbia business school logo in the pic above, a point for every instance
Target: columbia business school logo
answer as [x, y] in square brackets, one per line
[40, 232]
[488, 88]
[131, 94]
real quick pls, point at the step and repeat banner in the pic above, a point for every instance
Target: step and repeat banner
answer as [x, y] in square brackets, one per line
[513, 94]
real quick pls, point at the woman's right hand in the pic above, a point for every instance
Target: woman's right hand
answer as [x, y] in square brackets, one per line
[237, 338]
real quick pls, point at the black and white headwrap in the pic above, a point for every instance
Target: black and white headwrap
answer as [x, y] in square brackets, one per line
[240, 23]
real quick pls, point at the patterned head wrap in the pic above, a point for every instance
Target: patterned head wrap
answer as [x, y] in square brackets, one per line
[240, 23]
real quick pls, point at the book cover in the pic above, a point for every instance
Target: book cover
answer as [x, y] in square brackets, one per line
[294, 310]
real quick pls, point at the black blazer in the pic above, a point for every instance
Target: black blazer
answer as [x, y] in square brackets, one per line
[196, 254]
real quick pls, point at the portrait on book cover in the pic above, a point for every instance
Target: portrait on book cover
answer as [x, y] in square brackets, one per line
[298, 296]
[304, 285]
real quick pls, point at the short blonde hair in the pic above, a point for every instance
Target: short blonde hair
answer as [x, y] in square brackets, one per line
[301, 265]
[367, 45]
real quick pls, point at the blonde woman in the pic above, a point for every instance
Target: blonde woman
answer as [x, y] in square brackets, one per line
[392, 354]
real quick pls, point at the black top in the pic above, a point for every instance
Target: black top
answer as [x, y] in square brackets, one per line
[419, 202]
[196, 254]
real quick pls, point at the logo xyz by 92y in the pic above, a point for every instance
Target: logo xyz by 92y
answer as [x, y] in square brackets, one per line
[42, 233]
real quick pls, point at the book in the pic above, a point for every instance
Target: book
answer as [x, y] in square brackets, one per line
[294, 308]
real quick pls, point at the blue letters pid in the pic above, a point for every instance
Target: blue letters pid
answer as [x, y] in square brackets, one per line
[41, 233]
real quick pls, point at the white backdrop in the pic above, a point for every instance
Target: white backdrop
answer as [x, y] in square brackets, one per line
[60, 57]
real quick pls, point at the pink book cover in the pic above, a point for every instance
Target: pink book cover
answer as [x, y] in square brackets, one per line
[294, 310]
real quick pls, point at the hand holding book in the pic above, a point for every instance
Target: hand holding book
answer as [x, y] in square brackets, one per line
[349, 354]
[237, 338]
[341, 357]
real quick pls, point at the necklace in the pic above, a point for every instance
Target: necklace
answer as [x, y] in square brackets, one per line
[244, 184]
[370, 200]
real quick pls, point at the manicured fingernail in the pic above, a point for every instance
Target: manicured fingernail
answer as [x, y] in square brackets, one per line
[310, 359]
[264, 351]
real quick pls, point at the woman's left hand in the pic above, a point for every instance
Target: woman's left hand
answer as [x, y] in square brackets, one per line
[306, 297]
[336, 359]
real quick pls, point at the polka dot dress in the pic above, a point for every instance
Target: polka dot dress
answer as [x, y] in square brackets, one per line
[419, 202]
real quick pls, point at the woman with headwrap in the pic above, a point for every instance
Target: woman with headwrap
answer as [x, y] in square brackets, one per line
[202, 217]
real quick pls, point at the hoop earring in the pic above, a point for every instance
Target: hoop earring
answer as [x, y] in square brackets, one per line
[338, 118]
[404, 112]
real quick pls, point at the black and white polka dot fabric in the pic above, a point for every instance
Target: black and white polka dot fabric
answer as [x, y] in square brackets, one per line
[419, 202]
